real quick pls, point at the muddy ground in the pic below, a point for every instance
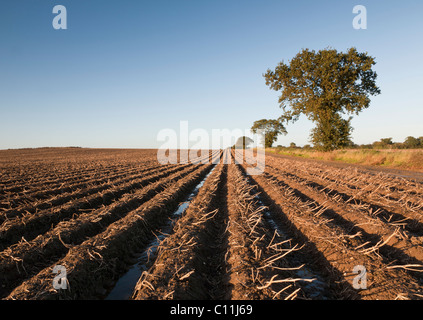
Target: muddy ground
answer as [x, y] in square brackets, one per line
[303, 229]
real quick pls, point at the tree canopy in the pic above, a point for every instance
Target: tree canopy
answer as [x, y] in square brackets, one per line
[271, 129]
[325, 86]
[243, 142]
[411, 142]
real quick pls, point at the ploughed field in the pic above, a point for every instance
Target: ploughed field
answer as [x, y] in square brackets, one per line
[124, 226]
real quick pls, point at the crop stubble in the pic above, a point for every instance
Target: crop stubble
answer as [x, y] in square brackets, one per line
[294, 232]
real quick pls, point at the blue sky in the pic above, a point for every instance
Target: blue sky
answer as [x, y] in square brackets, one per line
[124, 70]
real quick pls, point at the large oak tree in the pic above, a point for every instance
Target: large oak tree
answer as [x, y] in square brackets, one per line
[328, 87]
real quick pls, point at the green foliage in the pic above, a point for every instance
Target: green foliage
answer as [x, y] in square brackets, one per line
[373, 148]
[383, 143]
[411, 143]
[243, 143]
[271, 128]
[323, 86]
[332, 135]
[387, 143]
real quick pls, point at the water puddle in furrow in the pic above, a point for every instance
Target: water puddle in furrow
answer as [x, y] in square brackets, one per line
[316, 288]
[125, 286]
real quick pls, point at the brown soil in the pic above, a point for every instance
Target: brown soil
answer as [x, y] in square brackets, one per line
[400, 173]
[297, 231]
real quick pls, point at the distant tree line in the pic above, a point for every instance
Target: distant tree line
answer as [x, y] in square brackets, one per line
[384, 143]
[387, 143]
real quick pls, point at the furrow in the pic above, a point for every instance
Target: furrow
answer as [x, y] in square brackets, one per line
[190, 262]
[63, 189]
[388, 214]
[336, 251]
[367, 230]
[92, 265]
[61, 199]
[25, 258]
[30, 226]
[376, 187]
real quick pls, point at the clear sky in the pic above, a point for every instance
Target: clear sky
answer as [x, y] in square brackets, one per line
[124, 70]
